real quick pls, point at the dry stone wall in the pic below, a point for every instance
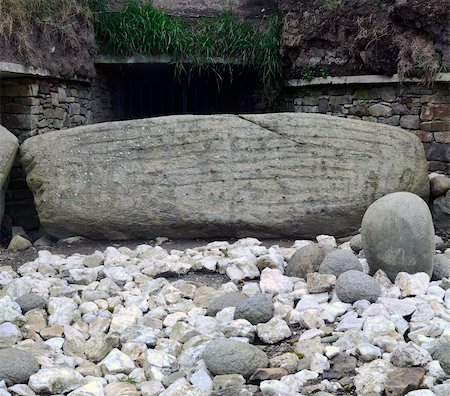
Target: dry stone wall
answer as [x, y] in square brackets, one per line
[421, 110]
[32, 106]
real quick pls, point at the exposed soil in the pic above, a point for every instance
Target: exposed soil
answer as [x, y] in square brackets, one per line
[66, 53]
[318, 38]
[347, 37]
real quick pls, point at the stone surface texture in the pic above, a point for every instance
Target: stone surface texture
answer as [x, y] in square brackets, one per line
[398, 235]
[8, 148]
[227, 356]
[216, 187]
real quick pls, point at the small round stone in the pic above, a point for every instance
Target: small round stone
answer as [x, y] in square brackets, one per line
[441, 267]
[356, 243]
[31, 301]
[224, 301]
[16, 366]
[353, 285]
[305, 260]
[256, 309]
[338, 262]
[225, 356]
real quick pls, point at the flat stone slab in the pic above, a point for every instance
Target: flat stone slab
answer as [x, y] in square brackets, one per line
[268, 175]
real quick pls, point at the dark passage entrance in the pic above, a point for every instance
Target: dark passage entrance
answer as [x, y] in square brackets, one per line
[142, 91]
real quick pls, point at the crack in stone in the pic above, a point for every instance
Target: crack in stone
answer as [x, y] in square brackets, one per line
[281, 134]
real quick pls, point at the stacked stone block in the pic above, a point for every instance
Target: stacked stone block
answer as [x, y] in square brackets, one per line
[424, 111]
[32, 106]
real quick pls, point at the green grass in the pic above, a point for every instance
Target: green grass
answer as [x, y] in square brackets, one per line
[215, 43]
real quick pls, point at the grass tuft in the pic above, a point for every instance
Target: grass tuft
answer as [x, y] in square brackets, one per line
[215, 43]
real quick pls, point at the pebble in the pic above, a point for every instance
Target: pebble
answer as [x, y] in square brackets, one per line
[353, 285]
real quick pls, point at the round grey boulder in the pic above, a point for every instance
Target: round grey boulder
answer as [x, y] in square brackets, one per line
[398, 235]
[442, 353]
[441, 267]
[225, 356]
[16, 366]
[338, 262]
[31, 301]
[353, 285]
[305, 260]
[356, 243]
[224, 301]
[256, 309]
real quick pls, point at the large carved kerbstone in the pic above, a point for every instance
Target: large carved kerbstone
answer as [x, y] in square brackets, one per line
[8, 149]
[268, 175]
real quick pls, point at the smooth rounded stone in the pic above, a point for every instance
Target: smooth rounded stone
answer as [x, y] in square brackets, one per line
[305, 260]
[442, 353]
[353, 285]
[356, 243]
[338, 262]
[31, 301]
[398, 235]
[438, 242]
[440, 208]
[8, 148]
[232, 196]
[225, 356]
[441, 267]
[226, 300]
[18, 243]
[16, 366]
[256, 309]
[439, 185]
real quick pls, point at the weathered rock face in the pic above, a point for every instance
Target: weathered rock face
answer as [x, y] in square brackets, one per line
[8, 148]
[268, 175]
[398, 235]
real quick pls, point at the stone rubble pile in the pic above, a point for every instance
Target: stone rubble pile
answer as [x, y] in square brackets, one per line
[124, 322]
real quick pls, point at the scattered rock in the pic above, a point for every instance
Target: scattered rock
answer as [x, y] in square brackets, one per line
[256, 309]
[55, 380]
[31, 301]
[356, 243]
[439, 185]
[224, 301]
[263, 374]
[398, 235]
[225, 356]
[320, 283]
[305, 260]
[352, 286]
[19, 243]
[410, 355]
[16, 366]
[276, 329]
[441, 267]
[403, 380]
[338, 262]
[442, 354]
